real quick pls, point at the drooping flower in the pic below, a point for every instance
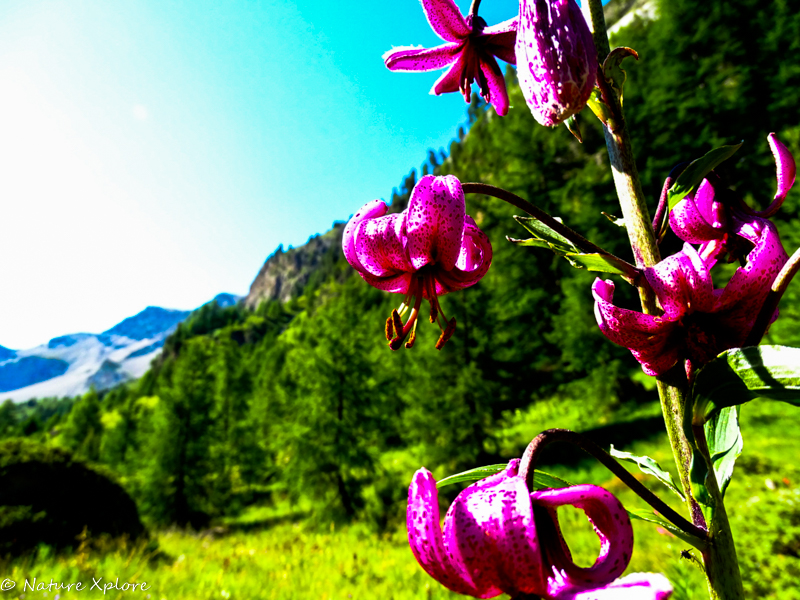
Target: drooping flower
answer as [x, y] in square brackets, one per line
[556, 59]
[722, 223]
[431, 248]
[699, 321]
[470, 51]
[500, 538]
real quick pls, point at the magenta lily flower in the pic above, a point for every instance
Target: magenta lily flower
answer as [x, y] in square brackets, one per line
[699, 321]
[703, 218]
[500, 538]
[471, 51]
[556, 59]
[428, 250]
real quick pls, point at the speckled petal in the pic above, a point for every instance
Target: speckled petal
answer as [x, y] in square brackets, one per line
[409, 58]
[449, 80]
[747, 289]
[490, 536]
[622, 326]
[787, 170]
[474, 260]
[698, 218]
[498, 95]
[425, 534]
[613, 527]
[435, 222]
[446, 20]
[647, 337]
[379, 245]
[636, 586]
[371, 210]
[667, 280]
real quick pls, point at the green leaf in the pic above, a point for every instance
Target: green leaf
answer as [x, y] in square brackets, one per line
[724, 444]
[650, 467]
[541, 480]
[613, 71]
[742, 374]
[599, 262]
[693, 175]
[542, 233]
[647, 515]
[601, 110]
[698, 471]
[471, 475]
[574, 128]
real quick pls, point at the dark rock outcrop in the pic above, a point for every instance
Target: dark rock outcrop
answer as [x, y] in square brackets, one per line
[285, 273]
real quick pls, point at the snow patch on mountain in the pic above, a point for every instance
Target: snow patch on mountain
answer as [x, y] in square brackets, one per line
[70, 365]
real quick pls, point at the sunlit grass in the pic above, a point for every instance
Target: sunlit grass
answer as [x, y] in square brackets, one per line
[262, 555]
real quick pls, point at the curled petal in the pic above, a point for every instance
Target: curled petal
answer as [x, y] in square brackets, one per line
[787, 169]
[446, 20]
[750, 284]
[682, 284]
[613, 527]
[379, 245]
[622, 326]
[395, 284]
[498, 95]
[490, 536]
[411, 58]
[646, 336]
[636, 586]
[698, 218]
[435, 222]
[425, 534]
[371, 210]
[474, 260]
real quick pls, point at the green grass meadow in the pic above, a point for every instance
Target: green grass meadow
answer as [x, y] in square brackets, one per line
[263, 554]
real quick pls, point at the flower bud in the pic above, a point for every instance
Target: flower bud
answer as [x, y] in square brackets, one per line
[556, 59]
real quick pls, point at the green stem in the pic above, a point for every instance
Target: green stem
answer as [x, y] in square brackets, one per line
[722, 567]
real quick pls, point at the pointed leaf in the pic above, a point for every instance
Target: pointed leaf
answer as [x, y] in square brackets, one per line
[647, 515]
[650, 467]
[603, 263]
[693, 176]
[555, 241]
[742, 374]
[471, 475]
[724, 444]
[574, 128]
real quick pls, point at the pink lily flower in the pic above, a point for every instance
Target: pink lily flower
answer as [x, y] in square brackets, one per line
[428, 250]
[556, 59]
[703, 218]
[470, 51]
[500, 538]
[699, 321]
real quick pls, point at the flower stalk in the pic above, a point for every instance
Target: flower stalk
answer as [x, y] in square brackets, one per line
[722, 568]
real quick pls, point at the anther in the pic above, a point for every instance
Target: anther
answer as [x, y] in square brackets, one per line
[446, 334]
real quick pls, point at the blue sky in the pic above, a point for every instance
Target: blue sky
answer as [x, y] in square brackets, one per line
[155, 152]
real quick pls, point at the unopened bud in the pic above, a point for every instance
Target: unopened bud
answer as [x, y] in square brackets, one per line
[556, 59]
